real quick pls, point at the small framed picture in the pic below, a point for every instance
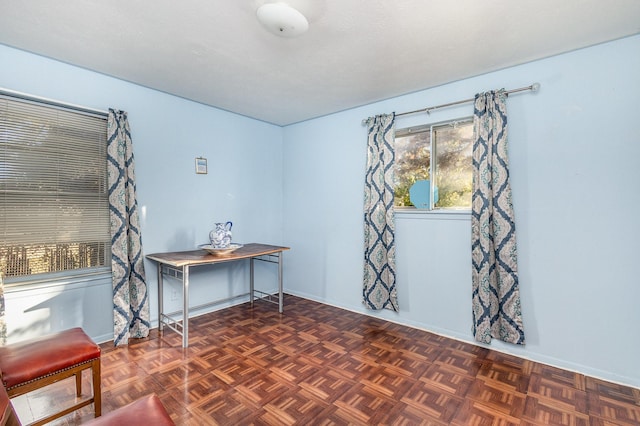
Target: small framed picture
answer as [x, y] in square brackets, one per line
[201, 166]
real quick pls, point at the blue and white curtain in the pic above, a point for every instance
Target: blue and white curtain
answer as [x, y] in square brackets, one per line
[379, 290]
[130, 295]
[496, 294]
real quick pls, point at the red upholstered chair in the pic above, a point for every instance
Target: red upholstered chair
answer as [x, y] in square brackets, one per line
[145, 411]
[33, 364]
[7, 414]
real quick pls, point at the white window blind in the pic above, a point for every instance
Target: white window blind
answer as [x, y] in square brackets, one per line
[53, 189]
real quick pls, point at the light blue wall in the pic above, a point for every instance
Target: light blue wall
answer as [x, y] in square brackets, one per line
[244, 184]
[574, 152]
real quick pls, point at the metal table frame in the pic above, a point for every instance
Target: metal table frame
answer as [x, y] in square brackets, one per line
[178, 264]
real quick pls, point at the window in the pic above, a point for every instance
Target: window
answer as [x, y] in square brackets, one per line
[54, 205]
[445, 149]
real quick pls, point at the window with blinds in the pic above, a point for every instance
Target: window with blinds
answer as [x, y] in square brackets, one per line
[54, 203]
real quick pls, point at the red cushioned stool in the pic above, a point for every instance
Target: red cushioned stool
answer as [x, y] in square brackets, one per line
[33, 364]
[145, 411]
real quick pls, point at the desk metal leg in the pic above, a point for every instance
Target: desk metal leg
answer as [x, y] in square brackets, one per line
[160, 294]
[185, 308]
[251, 281]
[281, 296]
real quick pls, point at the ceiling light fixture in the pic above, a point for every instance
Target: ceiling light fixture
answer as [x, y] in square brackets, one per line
[282, 19]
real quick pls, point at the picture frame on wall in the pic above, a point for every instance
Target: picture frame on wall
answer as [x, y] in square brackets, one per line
[201, 166]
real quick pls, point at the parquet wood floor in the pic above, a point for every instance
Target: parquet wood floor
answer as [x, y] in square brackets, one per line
[320, 365]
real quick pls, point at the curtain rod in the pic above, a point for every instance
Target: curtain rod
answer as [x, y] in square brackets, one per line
[52, 102]
[534, 88]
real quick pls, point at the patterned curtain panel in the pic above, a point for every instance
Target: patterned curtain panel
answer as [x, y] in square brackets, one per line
[130, 297]
[496, 295]
[379, 290]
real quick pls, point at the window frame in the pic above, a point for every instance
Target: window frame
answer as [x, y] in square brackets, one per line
[80, 274]
[424, 128]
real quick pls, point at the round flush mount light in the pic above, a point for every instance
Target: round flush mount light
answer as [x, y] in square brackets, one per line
[282, 19]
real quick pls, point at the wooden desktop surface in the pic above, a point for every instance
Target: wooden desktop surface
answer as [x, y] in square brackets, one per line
[201, 257]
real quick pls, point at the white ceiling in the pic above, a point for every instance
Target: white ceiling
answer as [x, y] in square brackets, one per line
[354, 53]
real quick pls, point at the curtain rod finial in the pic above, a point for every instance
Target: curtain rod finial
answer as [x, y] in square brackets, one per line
[535, 87]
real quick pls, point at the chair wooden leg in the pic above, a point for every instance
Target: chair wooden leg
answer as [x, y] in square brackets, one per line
[79, 384]
[97, 391]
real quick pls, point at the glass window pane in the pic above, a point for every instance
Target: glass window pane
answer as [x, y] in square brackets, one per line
[413, 154]
[453, 147]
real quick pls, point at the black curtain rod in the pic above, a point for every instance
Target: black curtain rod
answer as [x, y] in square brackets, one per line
[534, 88]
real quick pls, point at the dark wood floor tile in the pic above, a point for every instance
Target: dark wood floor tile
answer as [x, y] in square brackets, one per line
[407, 363]
[499, 397]
[375, 353]
[276, 332]
[388, 382]
[614, 410]
[432, 402]
[462, 362]
[427, 351]
[263, 388]
[329, 418]
[347, 341]
[269, 356]
[217, 356]
[613, 390]
[247, 346]
[367, 327]
[473, 413]
[318, 332]
[406, 415]
[447, 380]
[506, 375]
[295, 344]
[294, 407]
[194, 418]
[193, 392]
[228, 408]
[326, 385]
[572, 399]
[389, 340]
[514, 363]
[295, 368]
[363, 404]
[225, 335]
[323, 353]
[560, 376]
[478, 352]
[297, 322]
[120, 372]
[546, 411]
[354, 366]
[235, 373]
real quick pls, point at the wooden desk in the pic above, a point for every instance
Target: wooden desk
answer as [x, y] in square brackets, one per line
[177, 264]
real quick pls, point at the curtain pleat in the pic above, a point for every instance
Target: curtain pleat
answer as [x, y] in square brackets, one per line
[496, 295]
[130, 296]
[379, 289]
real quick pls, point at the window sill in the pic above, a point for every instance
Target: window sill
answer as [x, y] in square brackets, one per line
[56, 280]
[411, 213]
